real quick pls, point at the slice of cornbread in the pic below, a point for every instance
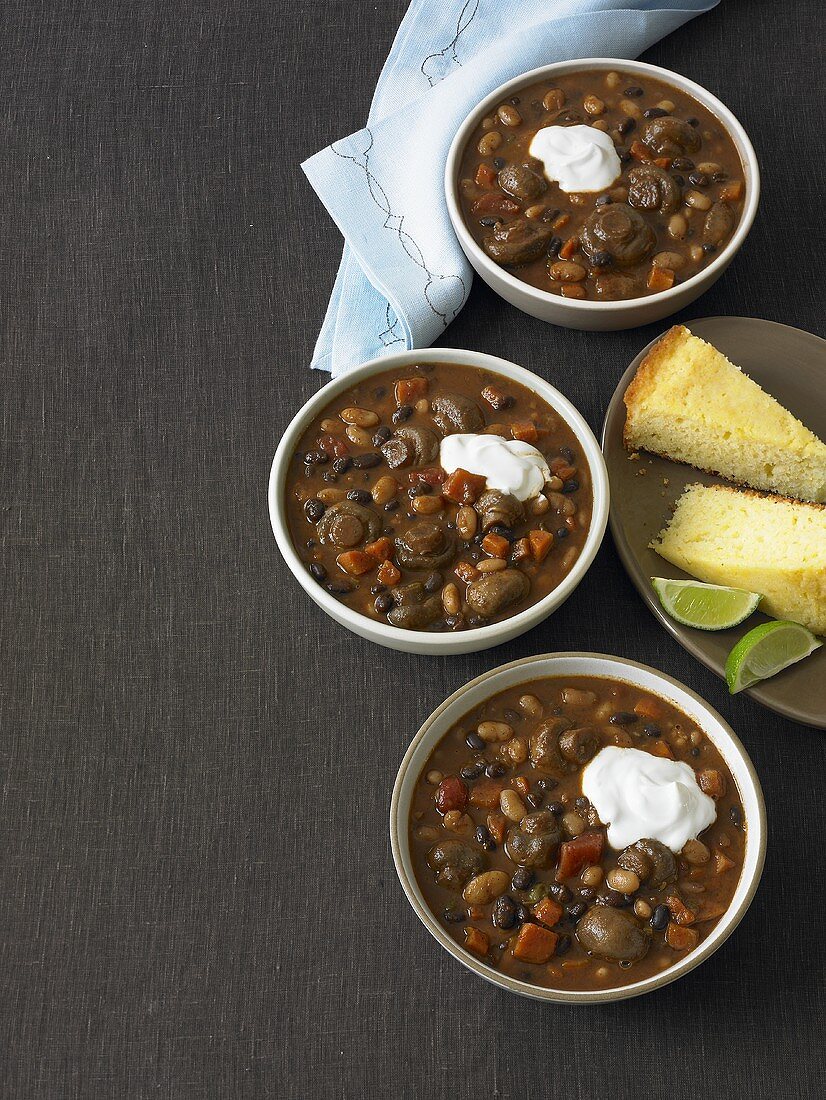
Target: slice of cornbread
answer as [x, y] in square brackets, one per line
[770, 545]
[687, 402]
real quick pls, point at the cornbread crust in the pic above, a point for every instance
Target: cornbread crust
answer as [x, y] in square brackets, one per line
[790, 460]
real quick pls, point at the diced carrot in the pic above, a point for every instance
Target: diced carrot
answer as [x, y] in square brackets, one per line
[476, 941]
[732, 192]
[640, 152]
[561, 221]
[712, 782]
[355, 562]
[498, 826]
[496, 399]
[462, 487]
[332, 446]
[520, 550]
[485, 176]
[521, 784]
[681, 939]
[569, 248]
[495, 545]
[466, 572]
[492, 203]
[679, 910]
[561, 468]
[524, 430]
[485, 793]
[649, 708]
[540, 543]
[388, 573]
[660, 278]
[663, 162]
[432, 475]
[721, 863]
[580, 852]
[534, 944]
[408, 390]
[548, 911]
[381, 549]
[660, 748]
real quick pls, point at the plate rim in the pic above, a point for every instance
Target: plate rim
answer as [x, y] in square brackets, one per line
[626, 555]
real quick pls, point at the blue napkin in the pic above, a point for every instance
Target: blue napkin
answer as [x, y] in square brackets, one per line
[403, 277]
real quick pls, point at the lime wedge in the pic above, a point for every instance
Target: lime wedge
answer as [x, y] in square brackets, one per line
[705, 606]
[767, 650]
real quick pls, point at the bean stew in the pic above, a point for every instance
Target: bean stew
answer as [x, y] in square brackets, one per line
[515, 862]
[674, 202]
[392, 534]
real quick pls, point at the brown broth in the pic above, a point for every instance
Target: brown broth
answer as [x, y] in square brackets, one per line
[394, 518]
[562, 217]
[706, 889]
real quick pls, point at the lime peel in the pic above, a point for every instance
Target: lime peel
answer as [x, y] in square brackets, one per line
[767, 650]
[705, 606]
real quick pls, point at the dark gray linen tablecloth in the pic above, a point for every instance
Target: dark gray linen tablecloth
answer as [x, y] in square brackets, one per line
[197, 897]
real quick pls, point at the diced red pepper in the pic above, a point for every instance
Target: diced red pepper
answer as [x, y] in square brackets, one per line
[569, 248]
[649, 708]
[520, 550]
[485, 176]
[640, 152]
[332, 446]
[681, 939]
[712, 782]
[580, 852]
[432, 475]
[492, 203]
[498, 826]
[451, 794]
[524, 430]
[660, 278]
[485, 793]
[409, 390]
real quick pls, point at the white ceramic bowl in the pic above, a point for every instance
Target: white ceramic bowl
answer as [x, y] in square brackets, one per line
[419, 641]
[590, 315]
[581, 664]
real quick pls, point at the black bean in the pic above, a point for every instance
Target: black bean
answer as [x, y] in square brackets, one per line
[582, 804]
[314, 509]
[559, 892]
[736, 816]
[546, 785]
[499, 162]
[379, 392]
[550, 215]
[678, 179]
[504, 912]
[318, 571]
[623, 155]
[391, 506]
[375, 589]
[452, 621]
[454, 915]
[366, 461]
[562, 532]
[311, 457]
[495, 770]
[615, 899]
[339, 588]
[554, 245]
[403, 412]
[484, 838]
[534, 800]
[651, 729]
[563, 944]
[489, 223]
[655, 112]
[602, 259]
[383, 603]
[587, 893]
[556, 808]
[471, 771]
[693, 121]
[603, 200]
[570, 486]
[360, 496]
[310, 544]
[475, 620]
[698, 179]
[695, 751]
[308, 471]
[718, 177]
[511, 715]
[626, 125]
[625, 964]
[709, 248]
[474, 741]
[576, 910]
[381, 435]
[522, 878]
[660, 917]
[342, 465]
[634, 92]
[622, 718]
[523, 914]
[682, 164]
[515, 100]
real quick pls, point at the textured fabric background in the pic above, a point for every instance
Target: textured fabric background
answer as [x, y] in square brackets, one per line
[197, 897]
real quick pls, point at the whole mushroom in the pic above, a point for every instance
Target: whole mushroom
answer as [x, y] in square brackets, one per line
[494, 506]
[454, 863]
[521, 181]
[612, 934]
[651, 861]
[347, 524]
[518, 242]
[670, 137]
[535, 840]
[424, 545]
[454, 412]
[651, 188]
[491, 593]
[618, 230]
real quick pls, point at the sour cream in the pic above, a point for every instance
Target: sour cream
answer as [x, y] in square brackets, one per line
[509, 465]
[578, 158]
[638, 795]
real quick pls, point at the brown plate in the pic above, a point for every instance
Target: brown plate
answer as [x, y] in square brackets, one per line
[791, 366]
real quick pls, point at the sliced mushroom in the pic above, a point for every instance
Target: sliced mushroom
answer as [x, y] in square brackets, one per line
[416, 616]
[518, 242]
[424, 545]
[521, 181]
[406, 595]
[650, 188]
[651, 861]
[494, 506]
[493, 592]
[612, 934]
[454, 863]
[544, 748]
[347, 524]
[423, 441]
[618, 230]
[535, 840]
[670, 137]
[454, 412]
[612, 286]
[398, 452]
[580, 745]
[718, 224]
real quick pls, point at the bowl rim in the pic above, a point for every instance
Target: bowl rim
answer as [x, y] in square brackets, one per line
[710, 102]
[464, 640]
[756, 836]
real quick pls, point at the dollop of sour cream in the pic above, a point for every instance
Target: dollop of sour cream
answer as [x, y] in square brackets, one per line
[638, 795]
[578, 158]
[509, 465]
